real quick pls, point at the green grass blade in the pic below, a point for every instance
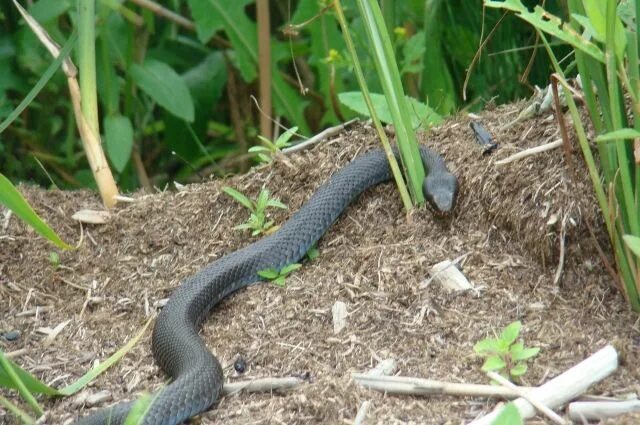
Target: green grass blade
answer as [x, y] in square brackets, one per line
[32, 384]
[633, 242]
[395, 170]
[139, 410]
[389, 76]
[53, 67]
[93, 373]
[17, 412]
[21, 387]
[11, 198]
[239, 197]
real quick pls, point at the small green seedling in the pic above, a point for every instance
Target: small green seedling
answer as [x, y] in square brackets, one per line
[54, 259]
[278, 277]
[269, 149]
[257, 222]
[313, 253]
[504, 353]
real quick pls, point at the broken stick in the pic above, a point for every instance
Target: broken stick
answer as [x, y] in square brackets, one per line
[564, 387]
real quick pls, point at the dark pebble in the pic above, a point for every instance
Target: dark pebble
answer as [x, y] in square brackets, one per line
[11, 335]
[240, 365]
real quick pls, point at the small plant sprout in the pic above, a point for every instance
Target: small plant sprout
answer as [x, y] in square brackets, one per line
[278, 277]
[504, 355]
[269, 149]
[313, 253]
[54, 259]
[257, 221]
[509, 416]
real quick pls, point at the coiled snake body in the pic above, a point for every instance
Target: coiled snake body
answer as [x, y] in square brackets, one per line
[177, 347]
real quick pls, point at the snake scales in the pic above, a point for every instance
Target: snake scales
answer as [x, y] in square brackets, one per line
[178, 349]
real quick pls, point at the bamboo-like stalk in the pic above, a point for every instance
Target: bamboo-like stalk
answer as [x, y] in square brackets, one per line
[264, 66]
[85, 101]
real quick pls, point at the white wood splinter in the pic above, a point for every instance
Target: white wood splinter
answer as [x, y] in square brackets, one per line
[566, 386]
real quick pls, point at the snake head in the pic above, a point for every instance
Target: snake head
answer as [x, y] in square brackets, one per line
[441, 191]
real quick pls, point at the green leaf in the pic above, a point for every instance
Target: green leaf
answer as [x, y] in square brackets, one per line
[239, 197]
[269, 274]
[162, 84]
[623, 133]
[290, 268]
[12, 199]
[487, 346]
[256, 149]
[550, 24]
[118, 133]
[508, 416]
[493, 363]
[633, 242]
[31, 383]
[47, 10]
[263, 198]
[523, 353]
[280, 281]
[518, 370]
[139, 409]
[283, 140]
[96, 371]
[313, 253]
[276, 204]
[510, 333]
[422, 115]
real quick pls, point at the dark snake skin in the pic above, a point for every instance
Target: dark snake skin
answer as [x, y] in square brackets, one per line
[196, 374]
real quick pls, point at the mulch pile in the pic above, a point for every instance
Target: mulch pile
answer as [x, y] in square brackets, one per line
[507, 227]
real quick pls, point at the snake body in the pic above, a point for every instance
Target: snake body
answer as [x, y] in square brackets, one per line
[196, 374]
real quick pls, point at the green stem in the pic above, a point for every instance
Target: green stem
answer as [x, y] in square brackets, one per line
[87, 62]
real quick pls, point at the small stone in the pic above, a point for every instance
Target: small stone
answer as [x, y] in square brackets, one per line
[240, 365]
[11, 335]
[340, 314]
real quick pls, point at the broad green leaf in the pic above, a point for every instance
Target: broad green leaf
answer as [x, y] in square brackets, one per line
[550, 24]
[212, 16]
[33, 384]
[511, 332]
[313, 253]
[508, 416]
[493, 363]
[118, 134]
[239, 197]
[47, 10]
[162, 84]
[518, 370]
[290, 268]
[596, 12]
[269, 274]
[487, 346]
[623, 133]
[280, 281]
[633, 242]
[12, 199]
[422, 117]
[523, 353]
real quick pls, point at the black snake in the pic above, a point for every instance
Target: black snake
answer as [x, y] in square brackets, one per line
[177, 347]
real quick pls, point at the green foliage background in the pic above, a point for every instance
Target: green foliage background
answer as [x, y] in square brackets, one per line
[175, 102]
